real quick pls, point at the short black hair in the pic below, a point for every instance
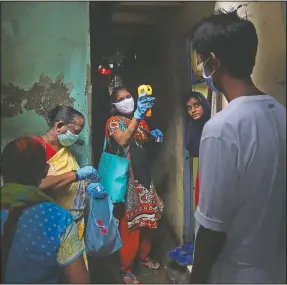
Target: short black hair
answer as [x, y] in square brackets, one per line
[23, 161]
[232, 39]
[63, 113]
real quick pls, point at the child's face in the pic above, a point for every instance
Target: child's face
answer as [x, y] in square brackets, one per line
[194, 109]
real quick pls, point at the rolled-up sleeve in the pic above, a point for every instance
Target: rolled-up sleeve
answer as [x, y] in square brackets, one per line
[218, 179]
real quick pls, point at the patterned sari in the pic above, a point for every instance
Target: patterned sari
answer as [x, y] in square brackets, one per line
[143, 206]
[72, 197]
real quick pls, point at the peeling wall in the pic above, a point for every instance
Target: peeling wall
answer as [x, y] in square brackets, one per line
[45, 59]
[170, 84]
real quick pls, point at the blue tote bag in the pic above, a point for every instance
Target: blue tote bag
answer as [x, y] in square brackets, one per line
[113, 174]
[102, 236]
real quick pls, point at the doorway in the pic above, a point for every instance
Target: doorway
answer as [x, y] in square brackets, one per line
[135, 42]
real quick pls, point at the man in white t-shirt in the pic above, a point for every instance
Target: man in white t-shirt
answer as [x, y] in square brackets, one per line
[241, 217]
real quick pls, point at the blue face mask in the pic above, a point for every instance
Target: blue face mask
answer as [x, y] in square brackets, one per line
[208, 79]
[67, 139]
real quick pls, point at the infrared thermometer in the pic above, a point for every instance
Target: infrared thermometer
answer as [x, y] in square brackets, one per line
[145, 89]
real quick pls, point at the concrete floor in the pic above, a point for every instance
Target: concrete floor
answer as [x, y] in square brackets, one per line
[106, 270]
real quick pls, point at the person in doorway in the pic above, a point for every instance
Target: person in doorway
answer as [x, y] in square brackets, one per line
[66, 181]
[241, 216]
[143, 207]
[39, 239]
[198, 113]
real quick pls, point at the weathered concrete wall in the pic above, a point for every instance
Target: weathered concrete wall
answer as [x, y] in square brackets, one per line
[284, 13]
[171, 77]
[269, 19]
[45, 61]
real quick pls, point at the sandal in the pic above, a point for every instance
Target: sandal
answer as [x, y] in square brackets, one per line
[185, 260]
[180, 251]
[129, 278]
[149, 264]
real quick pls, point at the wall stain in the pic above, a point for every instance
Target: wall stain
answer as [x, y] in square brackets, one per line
[41, 97]
[282, 82]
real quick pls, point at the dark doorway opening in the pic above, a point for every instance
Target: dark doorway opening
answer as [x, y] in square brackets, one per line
[131, 29]
[112, 30]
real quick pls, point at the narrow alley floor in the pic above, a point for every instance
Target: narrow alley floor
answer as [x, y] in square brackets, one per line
[106, 270]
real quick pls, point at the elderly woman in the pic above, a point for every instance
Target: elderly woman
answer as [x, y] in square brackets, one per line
[40, 240]
[65, 181]
[128, 133]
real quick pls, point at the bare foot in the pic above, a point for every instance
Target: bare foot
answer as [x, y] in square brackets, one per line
[151, 265]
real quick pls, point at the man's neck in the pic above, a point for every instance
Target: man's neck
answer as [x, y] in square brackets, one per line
[235, 88]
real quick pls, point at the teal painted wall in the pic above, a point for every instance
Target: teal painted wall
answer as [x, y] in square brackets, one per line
[45, 61]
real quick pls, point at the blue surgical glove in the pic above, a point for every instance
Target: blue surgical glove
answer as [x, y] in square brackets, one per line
[158, 135]
[96, 191]
[144, 103]
[87, 172]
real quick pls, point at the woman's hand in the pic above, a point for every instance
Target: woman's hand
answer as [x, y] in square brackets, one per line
[144, 103]
[96, 191]
[87, 172]
[56, 182]
[158, 135]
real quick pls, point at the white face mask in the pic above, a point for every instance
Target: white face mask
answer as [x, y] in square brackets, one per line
[126, 106]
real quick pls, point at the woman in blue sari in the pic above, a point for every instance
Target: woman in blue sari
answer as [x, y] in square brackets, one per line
[39, 239]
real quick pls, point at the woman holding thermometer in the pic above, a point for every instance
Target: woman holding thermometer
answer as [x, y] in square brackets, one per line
[128, 134]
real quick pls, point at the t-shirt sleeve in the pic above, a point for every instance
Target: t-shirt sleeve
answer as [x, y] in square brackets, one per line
[218, 180]
[71, 246]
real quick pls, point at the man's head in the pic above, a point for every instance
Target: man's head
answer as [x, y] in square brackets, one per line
[227, 45]
[23, 161]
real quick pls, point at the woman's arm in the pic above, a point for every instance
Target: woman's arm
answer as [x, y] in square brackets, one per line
[76, 272]
[58, 181]
[55, 182]
[123, 137]
[70, 254]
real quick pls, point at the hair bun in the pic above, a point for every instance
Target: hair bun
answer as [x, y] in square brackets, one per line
[52, 114]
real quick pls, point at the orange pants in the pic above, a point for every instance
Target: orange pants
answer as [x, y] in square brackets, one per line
[135, 243]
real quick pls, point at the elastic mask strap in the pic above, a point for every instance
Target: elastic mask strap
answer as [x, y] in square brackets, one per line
[214, 69]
